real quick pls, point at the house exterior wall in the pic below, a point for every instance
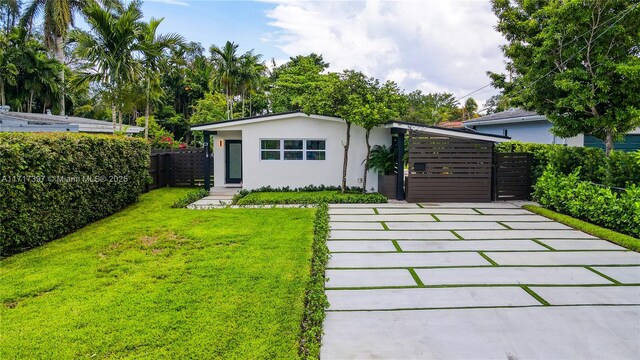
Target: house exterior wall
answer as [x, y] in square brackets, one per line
[629, 143]
[531, 131]
[298, 173]
[219, 170]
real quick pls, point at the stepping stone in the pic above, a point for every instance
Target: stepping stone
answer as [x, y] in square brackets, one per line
[590, 244]
[415, 217]
[369, 278]
[510, 275]
[404, 260]
[381, 205]
[583, 258]
[427, 211]
[492, 218]
[495, 205]
[470, 245]
[390, 235]
[593, 295]
[360, 246]
[356, 225]
[504, 211]
[581, 332]
[624, 274]
[543, 225]
[443, 225]
[363, 211]
[431, 298]
[524, 234]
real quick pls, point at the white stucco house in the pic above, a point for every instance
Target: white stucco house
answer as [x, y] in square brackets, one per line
[295, 149]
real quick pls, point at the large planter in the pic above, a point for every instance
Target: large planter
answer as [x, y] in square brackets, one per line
[387, 185]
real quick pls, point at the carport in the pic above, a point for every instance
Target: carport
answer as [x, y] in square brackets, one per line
[445, 165]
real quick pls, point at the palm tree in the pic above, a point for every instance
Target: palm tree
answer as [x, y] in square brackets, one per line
[152, 47]
[12, 11]
[42, 77]
[58, 17]
[109, 49]
[250, 71]
[225, 60]
[8, 68]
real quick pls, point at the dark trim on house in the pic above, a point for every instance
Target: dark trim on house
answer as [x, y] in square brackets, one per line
[259, 117]
[462, 131]
[229, 180]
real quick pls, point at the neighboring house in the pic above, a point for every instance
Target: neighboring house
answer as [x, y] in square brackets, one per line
[294, 149]
[30, 122]
[529, 126]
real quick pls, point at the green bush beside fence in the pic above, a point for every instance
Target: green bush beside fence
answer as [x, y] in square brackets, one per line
[53, 184]
[617, 210]
[620, 169]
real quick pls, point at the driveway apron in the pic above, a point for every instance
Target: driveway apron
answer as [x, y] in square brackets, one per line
[475, 281]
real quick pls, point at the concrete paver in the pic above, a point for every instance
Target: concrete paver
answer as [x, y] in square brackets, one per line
[592, 295]
[590, 244]
[347, 211]
[494, 205]
[369, 278]
[391, 217]
[386, 299]
[387, 260]
[623, 274]
[360, 245]
[524, 234]
[444, 225]
[459, 211]
[510, 275]
[583, 332]
[470, 245]
[543, 225]
[356, 225]
[478, 217]
[566, 258]
[390, 235]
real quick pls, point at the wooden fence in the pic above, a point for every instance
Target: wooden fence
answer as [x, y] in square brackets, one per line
[444, 169]
[512, 177]
[177, 168]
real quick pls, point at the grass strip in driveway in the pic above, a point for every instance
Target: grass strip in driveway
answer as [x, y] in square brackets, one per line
[156, 282]
[615, 237]
[536, 296]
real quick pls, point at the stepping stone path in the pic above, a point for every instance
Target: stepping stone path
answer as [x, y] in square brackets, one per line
[471, 281]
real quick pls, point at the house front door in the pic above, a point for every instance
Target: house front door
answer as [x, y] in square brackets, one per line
[233, 161]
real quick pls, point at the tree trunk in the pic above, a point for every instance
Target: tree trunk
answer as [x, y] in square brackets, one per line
[59, 55]
[346, 158]
[2, 99]
[243, 104]
[114, 115]
[30, 101]
[366, 162]
[609, 142]
[146, 113]
[120, 120]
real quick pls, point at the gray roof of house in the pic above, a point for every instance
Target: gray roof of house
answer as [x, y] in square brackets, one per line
[83, 124]
[508, 116]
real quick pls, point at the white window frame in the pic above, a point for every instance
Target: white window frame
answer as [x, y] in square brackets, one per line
[282, 149]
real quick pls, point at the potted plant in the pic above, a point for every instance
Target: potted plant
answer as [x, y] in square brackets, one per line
[383, 160]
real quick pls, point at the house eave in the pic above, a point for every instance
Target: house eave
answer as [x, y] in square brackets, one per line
[462, 134]
[257, 119]
[505, 121]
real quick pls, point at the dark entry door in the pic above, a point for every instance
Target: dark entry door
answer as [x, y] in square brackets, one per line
[233, 161]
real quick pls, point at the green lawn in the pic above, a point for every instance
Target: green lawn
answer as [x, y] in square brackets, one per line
[309, 197]
[155, 282]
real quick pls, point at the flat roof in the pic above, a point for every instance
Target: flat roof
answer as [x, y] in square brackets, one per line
[261, 118]
[84, 124]
[436, 130]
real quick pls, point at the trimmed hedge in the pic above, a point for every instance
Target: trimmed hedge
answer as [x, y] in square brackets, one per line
[618, 170]
[191, 197]
[315, 299]
[51, 184]
[599, 205]
[307, 197]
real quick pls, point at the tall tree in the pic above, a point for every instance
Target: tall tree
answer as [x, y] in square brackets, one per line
[8, 68]
[9, 13]
[429, 108]
[225, 61]
[577, 62]
[469, 109]
[153, 47]
[58, 17]
[292, 82]
[251, 70]
[109, 49]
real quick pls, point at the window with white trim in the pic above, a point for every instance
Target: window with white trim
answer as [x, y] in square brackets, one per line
[292, 149]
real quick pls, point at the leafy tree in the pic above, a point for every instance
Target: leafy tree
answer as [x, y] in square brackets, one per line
[225, 60]
[495, 104]
[210, 109]
[469, 109]
[577, 62]
[9, 13]
[430, 108]
[293, 81]
[8, 68]
[42, 77]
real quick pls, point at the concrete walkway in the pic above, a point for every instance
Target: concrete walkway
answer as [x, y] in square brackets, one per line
[475, 281]
[218, 198]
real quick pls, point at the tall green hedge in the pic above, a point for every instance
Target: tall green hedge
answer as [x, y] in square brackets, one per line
[620, 169]
[617, 210]
[52, 184]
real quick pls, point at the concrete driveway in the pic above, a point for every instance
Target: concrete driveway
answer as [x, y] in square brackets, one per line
[475, 281]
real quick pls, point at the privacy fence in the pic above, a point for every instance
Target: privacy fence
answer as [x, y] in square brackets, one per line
[177, 168]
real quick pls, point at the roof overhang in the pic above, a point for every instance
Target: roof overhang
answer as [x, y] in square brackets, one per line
[461, 134]
[506, 121]
[221, 125]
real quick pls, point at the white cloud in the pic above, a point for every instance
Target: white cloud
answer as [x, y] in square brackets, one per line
[171, 2]
[429, 45]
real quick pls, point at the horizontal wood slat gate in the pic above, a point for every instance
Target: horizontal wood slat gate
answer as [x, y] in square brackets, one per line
[177, 168]
[444, 169]
[512, 176]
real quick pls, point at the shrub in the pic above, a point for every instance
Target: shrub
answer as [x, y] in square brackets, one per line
[52, 184]
[315, 300]
[309, 197]
[192, 196]
[382, 159]
[600, 205]
[618, 170]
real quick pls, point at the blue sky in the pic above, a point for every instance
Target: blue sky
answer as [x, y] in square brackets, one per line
[431, 45]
